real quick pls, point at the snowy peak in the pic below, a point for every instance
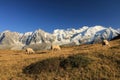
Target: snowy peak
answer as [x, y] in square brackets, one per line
[84, 35]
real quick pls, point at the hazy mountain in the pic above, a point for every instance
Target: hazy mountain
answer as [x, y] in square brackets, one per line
[40, 39]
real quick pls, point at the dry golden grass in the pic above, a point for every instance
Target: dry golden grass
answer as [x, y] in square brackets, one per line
[13, 62]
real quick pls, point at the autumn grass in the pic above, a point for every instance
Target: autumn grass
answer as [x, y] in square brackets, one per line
[84, 62]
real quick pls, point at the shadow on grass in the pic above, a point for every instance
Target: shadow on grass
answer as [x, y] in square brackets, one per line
[57, 64]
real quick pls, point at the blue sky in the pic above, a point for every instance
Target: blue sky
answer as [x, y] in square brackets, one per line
[29, 15]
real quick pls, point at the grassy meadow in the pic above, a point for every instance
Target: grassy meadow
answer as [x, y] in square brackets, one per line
[84, 62]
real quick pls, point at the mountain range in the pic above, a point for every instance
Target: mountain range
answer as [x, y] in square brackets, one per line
[40, 39]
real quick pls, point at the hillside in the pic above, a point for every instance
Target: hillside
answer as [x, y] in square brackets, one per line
[84, 62]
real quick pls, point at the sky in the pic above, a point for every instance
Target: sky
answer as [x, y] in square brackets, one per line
[30, 15]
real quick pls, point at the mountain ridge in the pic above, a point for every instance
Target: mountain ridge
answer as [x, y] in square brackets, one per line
[84, 35]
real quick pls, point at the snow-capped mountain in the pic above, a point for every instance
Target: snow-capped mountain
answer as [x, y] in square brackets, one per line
[84, 35]
[60, 36]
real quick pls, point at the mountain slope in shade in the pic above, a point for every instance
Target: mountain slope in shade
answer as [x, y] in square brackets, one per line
[117, 37]
[14, 40]
[24, 37]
